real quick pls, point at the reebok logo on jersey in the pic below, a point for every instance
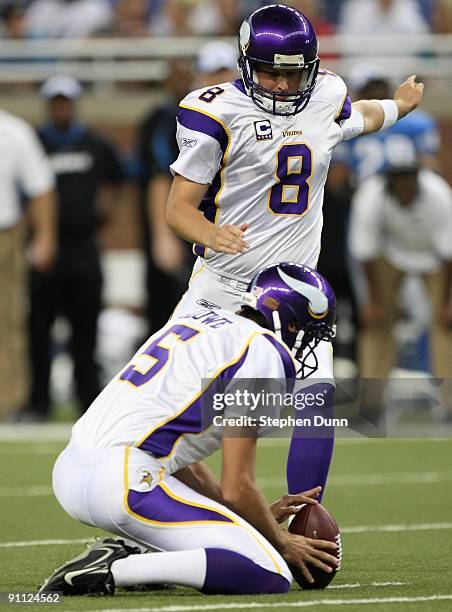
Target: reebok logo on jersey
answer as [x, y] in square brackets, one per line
[206, 304]
[263, 130]
[188, 142]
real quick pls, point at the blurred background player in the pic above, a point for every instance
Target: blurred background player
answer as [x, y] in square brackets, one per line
[362, 17]
[401, 225]
[216, 63]
[168, 258]
[88, 173]
[416, 134]
[24, 173]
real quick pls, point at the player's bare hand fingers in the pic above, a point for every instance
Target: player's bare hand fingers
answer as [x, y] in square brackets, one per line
[321, 544]
[289, 510]
[320, 564]
[244, 227]
[233, 230]
[310, 493]
[298, 500]
[230, 242]
[223, 247]
[324, 556]
[306, 573]
[229, 238]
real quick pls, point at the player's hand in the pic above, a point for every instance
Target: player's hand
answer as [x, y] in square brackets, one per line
[289, 504]
[300, 550]
[408, 96]
[371, 314]
[228, 239]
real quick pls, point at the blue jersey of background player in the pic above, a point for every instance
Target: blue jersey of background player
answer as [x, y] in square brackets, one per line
[416, 136]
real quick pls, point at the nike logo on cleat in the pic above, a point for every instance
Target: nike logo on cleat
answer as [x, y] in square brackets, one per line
[70, 575]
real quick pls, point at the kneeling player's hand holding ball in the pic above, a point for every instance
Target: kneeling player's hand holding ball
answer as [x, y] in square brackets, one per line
[289, 505]
[320, 551]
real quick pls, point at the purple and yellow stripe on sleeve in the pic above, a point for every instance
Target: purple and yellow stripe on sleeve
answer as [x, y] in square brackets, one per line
[202, 121]
[198, 121]
[346, 110]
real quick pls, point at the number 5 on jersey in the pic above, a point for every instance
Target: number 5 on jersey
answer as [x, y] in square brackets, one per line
[152, 360]
[290, 195]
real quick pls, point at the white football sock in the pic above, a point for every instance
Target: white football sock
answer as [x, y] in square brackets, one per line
[185, 567]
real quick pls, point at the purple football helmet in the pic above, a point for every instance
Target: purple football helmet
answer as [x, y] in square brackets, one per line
[281, 37]
[294, 296]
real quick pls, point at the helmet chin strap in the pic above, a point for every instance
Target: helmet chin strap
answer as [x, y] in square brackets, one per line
[298, 341]
[277, 324]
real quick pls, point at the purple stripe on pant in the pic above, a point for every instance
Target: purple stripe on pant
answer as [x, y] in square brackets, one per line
[157, 505]
[230, 573]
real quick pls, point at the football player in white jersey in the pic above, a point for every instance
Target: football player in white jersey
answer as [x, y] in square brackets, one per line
[133, 465]
[249, 179]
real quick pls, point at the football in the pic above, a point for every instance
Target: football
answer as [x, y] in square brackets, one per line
[314, 521]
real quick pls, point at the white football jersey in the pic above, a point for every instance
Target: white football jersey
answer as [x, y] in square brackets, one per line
[265, 170]
[158, 402]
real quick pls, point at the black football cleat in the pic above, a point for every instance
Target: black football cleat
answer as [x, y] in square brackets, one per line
[89, 573]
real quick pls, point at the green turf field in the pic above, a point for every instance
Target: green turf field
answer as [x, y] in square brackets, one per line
[392, 499]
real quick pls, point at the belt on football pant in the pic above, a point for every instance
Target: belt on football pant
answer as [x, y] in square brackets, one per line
[234, 283]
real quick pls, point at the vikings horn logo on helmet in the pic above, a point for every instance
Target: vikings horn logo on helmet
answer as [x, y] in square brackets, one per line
[318, 302]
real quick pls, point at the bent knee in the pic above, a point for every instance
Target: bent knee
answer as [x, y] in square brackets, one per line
[242, 576]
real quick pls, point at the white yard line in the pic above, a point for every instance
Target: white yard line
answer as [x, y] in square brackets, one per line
[357, 585]
[284, 604]
[341, 480]
[345, 530]
[45, 542]
[283, 442]
[396, 528]
[358, 480]
[51, 448]
[39, 433]
[33, 491]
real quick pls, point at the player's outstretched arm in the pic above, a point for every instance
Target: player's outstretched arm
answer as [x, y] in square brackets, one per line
[378, 114]
[185, 219]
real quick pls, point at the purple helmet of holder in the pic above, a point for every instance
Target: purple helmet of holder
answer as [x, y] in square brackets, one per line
[299, 305]
[283, 38]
